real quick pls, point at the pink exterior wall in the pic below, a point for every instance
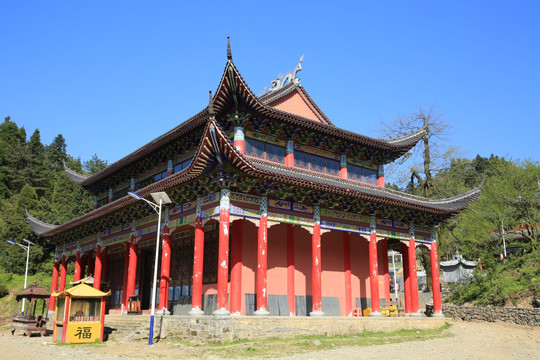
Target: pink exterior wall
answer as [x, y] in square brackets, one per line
[277, 260]
[333, 280]
[294, 103]
[249, 261]
[302, 262]
[359, 268]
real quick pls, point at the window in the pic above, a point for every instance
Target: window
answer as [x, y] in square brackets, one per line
[103, 201]
[254, 148]
[182, 165]
[265, 151]
[361, 174]
[332, 167]
[316, 163]
[301, 160]
[354, 172]
[275, 153]
[370, 176]
[85, 309]
[160, 175]
[120, 193]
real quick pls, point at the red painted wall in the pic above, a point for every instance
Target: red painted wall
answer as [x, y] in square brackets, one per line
[333, 280]
[359, 268]
[277, 260]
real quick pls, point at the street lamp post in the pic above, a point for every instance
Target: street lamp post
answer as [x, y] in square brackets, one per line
[27, 249]
[161, 198]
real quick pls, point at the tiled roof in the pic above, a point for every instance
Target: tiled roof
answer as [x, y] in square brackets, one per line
[205, 159]
[231, 85]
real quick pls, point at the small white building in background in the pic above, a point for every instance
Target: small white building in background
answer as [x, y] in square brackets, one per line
[457, 269]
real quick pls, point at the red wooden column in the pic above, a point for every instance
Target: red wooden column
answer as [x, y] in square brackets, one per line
[386, 275]
[98, 267]
[132, 267]
[380, 177]
[94, 207]
[343, 166]
[198, 260]
[223, 253]
[316, 286]
[165, 269]
[374, 269]
[63, 272]
[237, 228]
[289, 155]
[347, 272]
[262, 260]
[78, 270]
[290, 270]
[435, 284]
[54, 282]
[239, 139]
[125, 280]
[406, 278]
[413, 280]
[90, 264]
[83, 263]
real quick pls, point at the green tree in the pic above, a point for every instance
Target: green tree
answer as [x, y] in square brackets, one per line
[39, 171]
[56, 153]
[95, 165]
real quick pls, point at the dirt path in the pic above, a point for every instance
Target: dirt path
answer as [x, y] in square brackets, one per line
[474, 340]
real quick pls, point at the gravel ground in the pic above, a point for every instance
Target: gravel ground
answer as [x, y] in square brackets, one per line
[468, 340]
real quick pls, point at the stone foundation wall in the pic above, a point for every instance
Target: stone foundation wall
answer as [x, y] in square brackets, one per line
[519, 316]
[223, 329]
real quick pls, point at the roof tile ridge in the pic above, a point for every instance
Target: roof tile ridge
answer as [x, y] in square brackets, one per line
[274, 95]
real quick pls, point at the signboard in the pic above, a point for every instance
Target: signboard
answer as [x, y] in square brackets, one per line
[83, 332]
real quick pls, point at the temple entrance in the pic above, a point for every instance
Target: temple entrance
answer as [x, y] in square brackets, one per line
[147, 270]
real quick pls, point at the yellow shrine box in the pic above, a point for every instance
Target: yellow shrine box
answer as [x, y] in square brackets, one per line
[79, 315]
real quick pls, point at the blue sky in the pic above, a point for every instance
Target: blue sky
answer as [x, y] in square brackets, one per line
[111, 76]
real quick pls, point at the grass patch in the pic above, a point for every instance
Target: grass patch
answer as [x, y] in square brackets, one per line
[289, 346]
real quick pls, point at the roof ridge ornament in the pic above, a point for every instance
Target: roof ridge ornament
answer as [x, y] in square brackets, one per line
[229, 52]
[210, 104]
[280, 83]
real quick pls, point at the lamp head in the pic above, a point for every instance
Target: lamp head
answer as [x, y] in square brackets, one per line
[29, 242]
[135, 195]
[11, 242]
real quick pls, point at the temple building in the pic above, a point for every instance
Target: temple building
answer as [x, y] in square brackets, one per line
[275, 211]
